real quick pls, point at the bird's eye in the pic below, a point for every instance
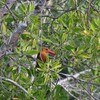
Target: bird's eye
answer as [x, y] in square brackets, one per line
[46, 49]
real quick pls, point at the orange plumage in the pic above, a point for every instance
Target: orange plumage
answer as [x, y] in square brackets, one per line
[44, 53]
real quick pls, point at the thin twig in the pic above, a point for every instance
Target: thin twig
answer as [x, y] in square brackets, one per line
[14, 83]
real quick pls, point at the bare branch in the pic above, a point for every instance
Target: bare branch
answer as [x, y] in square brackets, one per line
[69, 77]
[14, 83]
[13, 39]
[65, 83]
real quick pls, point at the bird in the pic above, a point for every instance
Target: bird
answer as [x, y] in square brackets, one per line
[43, 54]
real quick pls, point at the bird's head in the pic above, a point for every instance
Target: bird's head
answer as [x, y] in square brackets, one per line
[48, 51]
[43, 54]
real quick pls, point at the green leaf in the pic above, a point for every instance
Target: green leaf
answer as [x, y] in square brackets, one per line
[4, 28]
[56, 63]
[29, 72]
[25, 35]
[57, 66]
[32, 52]
[30, 7]
[40, 69]
[34, 43]
[23, 6]
[59, 70]
[69, 47]
[64, 37]
[80, 51]
[85, 56]
[97, 71]
[47, 40]
[47, 78]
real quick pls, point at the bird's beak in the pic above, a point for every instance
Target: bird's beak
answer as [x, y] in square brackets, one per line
[51, 52]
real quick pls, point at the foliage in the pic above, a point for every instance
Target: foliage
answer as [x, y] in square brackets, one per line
[75, 37]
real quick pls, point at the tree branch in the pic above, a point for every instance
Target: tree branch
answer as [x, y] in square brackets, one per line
[14, 83]
[17, 85]
[11, 42]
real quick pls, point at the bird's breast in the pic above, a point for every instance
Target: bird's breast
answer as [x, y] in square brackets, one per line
[42, 56]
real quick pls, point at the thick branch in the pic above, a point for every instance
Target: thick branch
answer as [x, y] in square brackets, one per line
[11, 42]
[13, 39]
[71, 87]
[69, 77]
